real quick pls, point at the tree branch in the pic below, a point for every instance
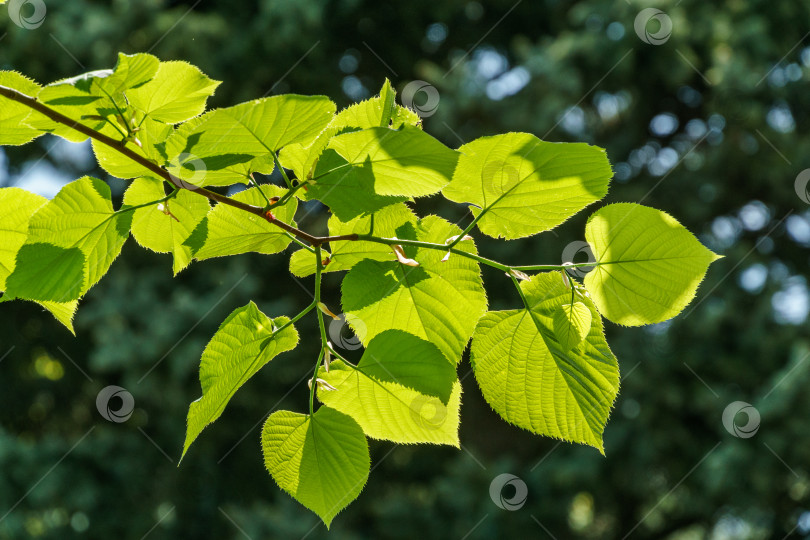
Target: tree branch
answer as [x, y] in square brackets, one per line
[315, 241]
[160, 172]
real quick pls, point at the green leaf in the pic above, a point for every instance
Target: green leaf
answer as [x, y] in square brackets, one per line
[62, 312]
[244, 343]
[524, 186]
[403, 390]
[72, 241]
[321, 460]
[230, 231]
[164, 227]
[13, 131]
[131, 71]
[378, 111]
[151, 135]
[80, 98]
[301, 159]
[529, 378]
[369, 169]
[572, 323]
[45, 272]
[436, 301]
[231, 143]
[349, 191]
[302, 263]
[19, 206]
[178, 92]
[648, 266]
[96, 99]
[345, 254]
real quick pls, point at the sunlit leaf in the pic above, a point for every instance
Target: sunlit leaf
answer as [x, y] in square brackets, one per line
[164, 227]
[13, 131]
[531, 380]
[244, 343]
[648, 266]
[230, 231]
[437, 301]
[363, 171]
[321, 460]
[19, 205]
[345, 254]
[524, 186]
[403, 390]
[231, 143]
[572, 323]
[72, 241]
[177, 92]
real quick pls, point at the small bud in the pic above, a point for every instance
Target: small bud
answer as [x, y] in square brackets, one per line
[165, 209]
[273, 200]
[566, 281]
[400, 253]
[327, 356]
[567, 265]
[326, 310]
[269, 216]
[522, 276]
[446, 257]
[326, 261]
[322, 385]
[454, 238]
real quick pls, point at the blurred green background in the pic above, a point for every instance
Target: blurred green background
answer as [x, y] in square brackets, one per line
[710, 124]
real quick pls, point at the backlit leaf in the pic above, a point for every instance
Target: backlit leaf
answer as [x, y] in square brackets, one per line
[231, 143]
[230, 231]
[572, 323]
[648, 266]
[72, 241]
[244, 343]
[524, 186]
[13, 131]
[19, 205]
[164, 227]
[436, 301]
[345, 254]
[532, 381]
[322, 460]
[363, 171]
[403, 390]
[177, 92]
